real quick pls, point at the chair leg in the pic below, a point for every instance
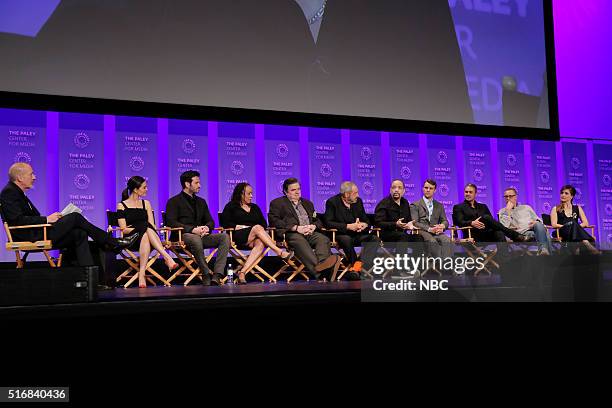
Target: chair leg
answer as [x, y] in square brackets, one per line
[20, 263]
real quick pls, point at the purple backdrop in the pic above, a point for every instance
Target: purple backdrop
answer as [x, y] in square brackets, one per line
[366, 167]
[324, 146]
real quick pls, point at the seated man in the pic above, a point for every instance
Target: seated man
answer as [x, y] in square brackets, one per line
[524, 220]
[429, 216]
[190, 212]
[345, 213]
[478, 216]
[66, 232]
[295, 218]
[393, 216]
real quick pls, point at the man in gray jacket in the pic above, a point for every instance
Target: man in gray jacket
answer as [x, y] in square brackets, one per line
[429, 216]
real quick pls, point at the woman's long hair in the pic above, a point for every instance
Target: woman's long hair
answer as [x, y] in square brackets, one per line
[239, 192]
[132, 184]
[572, 191]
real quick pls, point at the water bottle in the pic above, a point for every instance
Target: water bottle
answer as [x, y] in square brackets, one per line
[230, 274]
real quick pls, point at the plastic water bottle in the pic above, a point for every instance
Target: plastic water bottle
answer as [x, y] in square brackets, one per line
[230, 274]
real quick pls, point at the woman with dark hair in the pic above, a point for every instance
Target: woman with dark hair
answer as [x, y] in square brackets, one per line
[250, 227]
[135, 215]
[565, 216]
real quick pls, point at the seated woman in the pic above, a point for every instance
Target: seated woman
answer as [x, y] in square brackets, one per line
[250, 227]
[135, 215]
[565, 217]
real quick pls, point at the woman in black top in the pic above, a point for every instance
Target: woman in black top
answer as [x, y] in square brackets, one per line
[249, 224]
[135, 215]
[565, 217]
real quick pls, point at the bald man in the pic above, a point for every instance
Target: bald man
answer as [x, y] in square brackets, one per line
[70, 231]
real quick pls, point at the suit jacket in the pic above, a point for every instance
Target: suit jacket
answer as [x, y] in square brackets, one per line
[464, 214]
[283, 216]
[179, 213]
[337, 215]
[420, 215]
[404, 54]
[17, 209]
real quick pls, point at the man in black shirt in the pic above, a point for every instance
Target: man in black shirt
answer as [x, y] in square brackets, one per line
[393, 216]
[345, 212]
[478, 216]
[190, 212]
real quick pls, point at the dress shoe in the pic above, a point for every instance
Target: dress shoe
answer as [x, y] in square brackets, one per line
[288, 256]
[327, 263]
[205, 279]
[117, 244]
[352, 276]
[215, 280]
[521, 238]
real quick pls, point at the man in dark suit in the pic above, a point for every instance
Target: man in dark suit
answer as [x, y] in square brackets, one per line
[384, 58]
[66, 232]
[295, 218]
[478, 216]
[190, 212]
[393, 216]
[345, 212]
[429, 216]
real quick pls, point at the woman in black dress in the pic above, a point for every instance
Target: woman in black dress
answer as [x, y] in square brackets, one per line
[250, 227]
[135, 215]
[565, 216]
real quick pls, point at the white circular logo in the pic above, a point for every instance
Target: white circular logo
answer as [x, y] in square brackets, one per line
[137, 163]
[609, 209]
[367, 188]
[607, 180]
[81, 140]
[511, 160]
[442, 157]
[478, 175]
[366, 153]
[237, 167]
[279, 187]
[22, 157]
[282, 150]
[575, 162]
[546, 207]
[544, 177]
[444, 190]
[326, 170]
[406, 172]
[81, 181]
[188, 146]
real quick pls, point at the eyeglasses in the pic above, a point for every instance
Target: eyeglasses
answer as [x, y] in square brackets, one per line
[510, 196]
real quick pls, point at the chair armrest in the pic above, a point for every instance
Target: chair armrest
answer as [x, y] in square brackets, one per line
[29, 226]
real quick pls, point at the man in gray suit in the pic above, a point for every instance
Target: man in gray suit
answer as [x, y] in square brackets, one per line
[429, 216]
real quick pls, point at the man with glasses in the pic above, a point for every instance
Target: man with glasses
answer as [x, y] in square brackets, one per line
[522, 219]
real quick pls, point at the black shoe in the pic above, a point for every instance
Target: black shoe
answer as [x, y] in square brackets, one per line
[215, 280]
[520, 238]
[205, 279]
[104, 287]
[352, 276]
[118, 244]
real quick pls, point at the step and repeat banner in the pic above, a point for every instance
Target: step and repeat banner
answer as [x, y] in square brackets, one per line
[87, 159]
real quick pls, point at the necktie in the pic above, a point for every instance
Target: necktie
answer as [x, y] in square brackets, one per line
[430, 208]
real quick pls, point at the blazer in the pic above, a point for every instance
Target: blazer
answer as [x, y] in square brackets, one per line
[337, 215]
[283, 216]
[17, 209]
[179, 213]
[420, 214]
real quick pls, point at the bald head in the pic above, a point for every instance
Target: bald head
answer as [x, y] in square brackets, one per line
[22, 174]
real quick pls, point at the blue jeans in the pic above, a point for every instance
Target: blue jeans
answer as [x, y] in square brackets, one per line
[541, 236]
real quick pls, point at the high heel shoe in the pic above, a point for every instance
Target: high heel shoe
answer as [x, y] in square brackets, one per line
[172, 267]
[241, 280]
[288, 256]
